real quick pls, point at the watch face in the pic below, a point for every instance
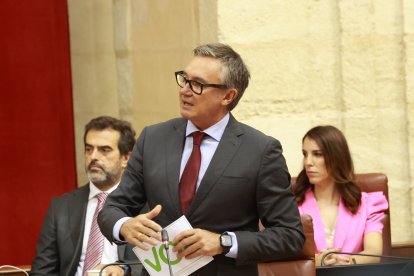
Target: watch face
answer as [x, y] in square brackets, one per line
[226, 240]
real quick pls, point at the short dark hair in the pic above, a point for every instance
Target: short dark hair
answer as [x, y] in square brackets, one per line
[338, 162]
[234, 72]
[127, 133]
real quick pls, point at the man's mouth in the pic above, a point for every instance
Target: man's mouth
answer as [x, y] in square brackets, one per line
[94, 167]
[186, 103]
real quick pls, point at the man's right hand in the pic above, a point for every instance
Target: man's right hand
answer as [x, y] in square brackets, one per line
[142, 229]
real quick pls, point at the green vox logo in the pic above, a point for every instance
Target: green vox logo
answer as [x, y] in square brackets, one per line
[156, 265]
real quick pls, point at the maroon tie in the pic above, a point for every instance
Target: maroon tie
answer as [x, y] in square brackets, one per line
[190, 174]
[96, 239]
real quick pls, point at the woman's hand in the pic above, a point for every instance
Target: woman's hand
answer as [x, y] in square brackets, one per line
[331, 259]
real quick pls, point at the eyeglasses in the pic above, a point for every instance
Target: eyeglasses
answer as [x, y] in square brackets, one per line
[195, 86]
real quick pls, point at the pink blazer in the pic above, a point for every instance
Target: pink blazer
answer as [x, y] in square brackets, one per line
[350, 229]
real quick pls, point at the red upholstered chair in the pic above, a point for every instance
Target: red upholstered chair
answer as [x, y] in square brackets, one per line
[301, 265]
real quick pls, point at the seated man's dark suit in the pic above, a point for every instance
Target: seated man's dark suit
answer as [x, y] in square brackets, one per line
[59, 245]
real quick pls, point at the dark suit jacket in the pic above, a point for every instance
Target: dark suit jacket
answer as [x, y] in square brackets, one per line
[247, 180]
[59, 246]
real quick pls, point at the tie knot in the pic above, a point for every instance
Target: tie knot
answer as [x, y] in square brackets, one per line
[101, 197]
[197, 137]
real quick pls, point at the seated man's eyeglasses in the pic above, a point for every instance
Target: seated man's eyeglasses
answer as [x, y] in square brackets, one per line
[195, 86]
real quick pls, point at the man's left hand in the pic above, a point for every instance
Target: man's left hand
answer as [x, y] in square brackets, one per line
[197, 242]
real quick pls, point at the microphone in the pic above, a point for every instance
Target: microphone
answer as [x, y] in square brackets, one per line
[365, 255]
[165, 241]
[164, 238]
[125, 264]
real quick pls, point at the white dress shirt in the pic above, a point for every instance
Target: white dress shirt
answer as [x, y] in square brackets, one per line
[110, 253]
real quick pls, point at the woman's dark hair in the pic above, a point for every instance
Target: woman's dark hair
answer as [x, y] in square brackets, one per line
[338, 164]
[127, 134]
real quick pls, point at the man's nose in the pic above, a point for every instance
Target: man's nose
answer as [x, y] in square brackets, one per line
[186, 89]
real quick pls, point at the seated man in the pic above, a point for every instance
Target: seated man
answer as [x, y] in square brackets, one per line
[70, 242]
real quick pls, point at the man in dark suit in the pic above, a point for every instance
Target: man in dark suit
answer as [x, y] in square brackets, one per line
[62, 247]
[242, 177]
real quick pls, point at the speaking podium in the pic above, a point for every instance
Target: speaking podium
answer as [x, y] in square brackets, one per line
[400, 268]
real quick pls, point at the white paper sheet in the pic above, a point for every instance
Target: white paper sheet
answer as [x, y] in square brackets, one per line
[155, 259]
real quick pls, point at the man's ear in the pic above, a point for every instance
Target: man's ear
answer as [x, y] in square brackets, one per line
[124, 159]
[230, 95]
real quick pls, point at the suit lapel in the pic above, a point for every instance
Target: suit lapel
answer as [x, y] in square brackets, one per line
[76, 216]
[310, 207]
[225, 151]
[174, 151]
[343, 224]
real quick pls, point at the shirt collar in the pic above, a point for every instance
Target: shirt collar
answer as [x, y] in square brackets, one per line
[93, 190]
[215, 131]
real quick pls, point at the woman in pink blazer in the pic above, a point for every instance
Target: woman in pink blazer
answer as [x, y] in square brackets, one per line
[344, 218]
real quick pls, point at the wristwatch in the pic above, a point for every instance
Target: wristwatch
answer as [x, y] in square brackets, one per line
[225, 242]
